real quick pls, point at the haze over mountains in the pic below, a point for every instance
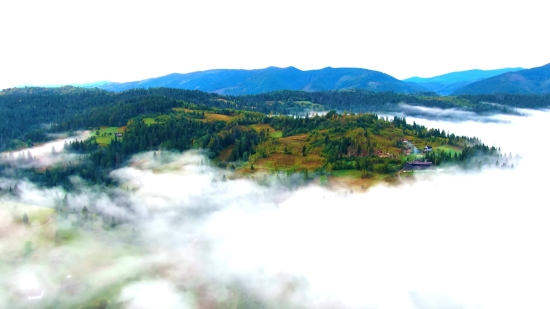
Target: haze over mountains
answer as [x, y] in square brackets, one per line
[530, 81]
[237, 82]
[448, 83]
[246, 82]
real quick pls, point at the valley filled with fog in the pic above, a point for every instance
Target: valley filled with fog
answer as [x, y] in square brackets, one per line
[184, 234]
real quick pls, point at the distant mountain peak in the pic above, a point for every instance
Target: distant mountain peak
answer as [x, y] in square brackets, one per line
[534, 81]
[236, 82]
[446, 84]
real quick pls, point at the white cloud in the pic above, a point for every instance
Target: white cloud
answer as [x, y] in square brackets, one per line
[453, 240]
[45, 155]
[155, 294]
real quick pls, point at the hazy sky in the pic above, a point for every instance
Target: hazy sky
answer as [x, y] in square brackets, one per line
[60, 42]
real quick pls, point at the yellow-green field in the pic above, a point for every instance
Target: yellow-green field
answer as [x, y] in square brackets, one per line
[267, 128]
[105, 135]
[448, 148]
[149, 121]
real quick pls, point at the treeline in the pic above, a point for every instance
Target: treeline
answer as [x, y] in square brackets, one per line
[472, 156]
[357, 100]
[27, 115]
[174, 134]
[534, 101]
[345, 141]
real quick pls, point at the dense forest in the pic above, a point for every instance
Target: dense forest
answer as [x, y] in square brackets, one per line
[532, 101]
[247, 142]
[245, 134]
[27, 115]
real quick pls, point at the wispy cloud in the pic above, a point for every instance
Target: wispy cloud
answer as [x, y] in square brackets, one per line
[451, 240]
[44, 155]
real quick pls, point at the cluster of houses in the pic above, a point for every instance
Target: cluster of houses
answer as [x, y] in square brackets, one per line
[417, 164]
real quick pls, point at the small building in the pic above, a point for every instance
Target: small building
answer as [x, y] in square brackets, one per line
[428, 148]
[119, 134]
[417, 165]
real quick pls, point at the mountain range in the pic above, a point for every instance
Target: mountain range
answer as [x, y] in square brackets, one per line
[238, 82]
[530, 81]
[448, 83]
[247, 82]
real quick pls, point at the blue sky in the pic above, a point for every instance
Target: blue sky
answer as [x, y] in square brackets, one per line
[61, 42]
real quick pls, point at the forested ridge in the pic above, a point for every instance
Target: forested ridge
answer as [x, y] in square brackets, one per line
[532, 101]
[247, 141]
[27, 115]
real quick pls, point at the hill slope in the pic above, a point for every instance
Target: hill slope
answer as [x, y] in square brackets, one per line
[447, 83]
[530, 81]
[237, 82]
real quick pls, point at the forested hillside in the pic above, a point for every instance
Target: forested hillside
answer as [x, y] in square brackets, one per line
[363, 147]
[27, 115]
[532, 101]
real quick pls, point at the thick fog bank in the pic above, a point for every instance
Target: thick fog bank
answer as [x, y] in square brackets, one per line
[455, 240]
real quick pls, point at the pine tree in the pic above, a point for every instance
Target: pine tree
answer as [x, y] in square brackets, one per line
[85, 213]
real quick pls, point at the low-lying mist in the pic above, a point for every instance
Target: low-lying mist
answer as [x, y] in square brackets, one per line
[183, 234]
[449, 114]
[44, 155]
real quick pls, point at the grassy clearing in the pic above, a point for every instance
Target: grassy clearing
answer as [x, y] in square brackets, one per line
[37, 215]
[294, 143]
[181, 110]
[448, 148]
[272, 132]
[412, 157]
[105, 135]
[309, 104]
[347, 173]
[276, 162]
[217, 117]
[149, 121]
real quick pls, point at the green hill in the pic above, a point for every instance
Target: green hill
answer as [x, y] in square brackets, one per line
[243, 134]
[24, 111]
